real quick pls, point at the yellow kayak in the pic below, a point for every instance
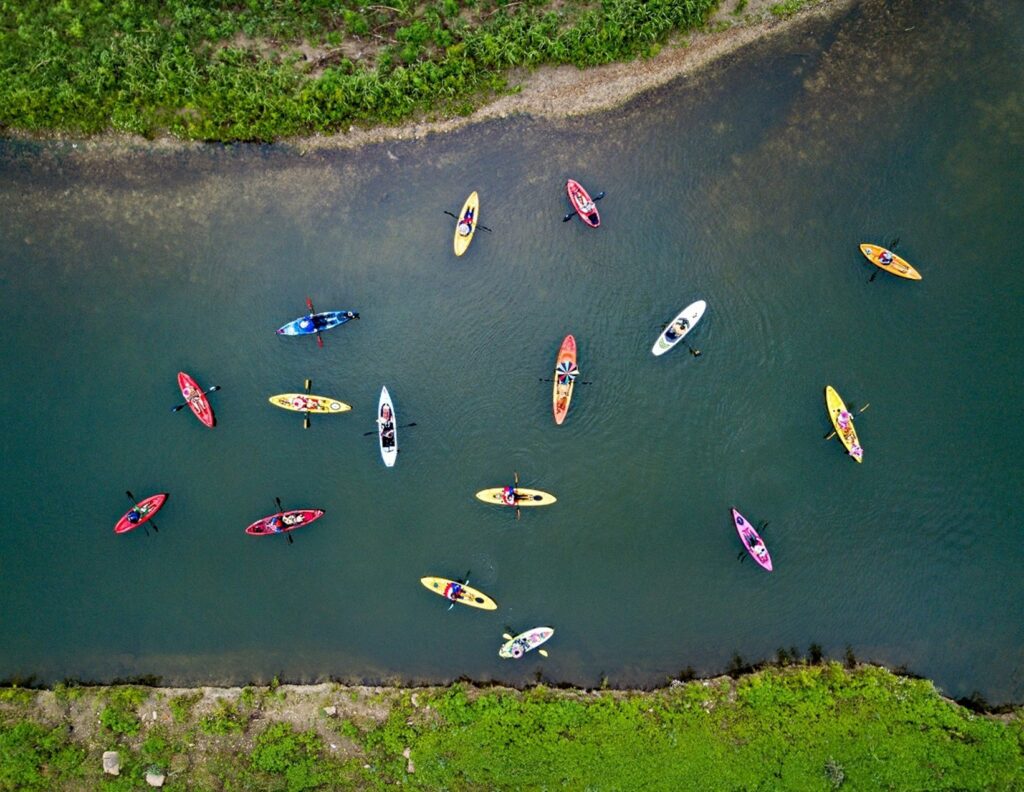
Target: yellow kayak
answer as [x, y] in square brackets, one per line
[462, 240]
[524, 497]
[896, 265]
[307, 402]
[848, 435]
[468, 596]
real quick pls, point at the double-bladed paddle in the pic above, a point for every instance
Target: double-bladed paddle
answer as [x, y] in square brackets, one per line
[319, 338]
[572, 214]
[204, 393]
[892, 246]
[450, 214]
[464, 582]
[833, 433]
[280, 509]
[129, 494]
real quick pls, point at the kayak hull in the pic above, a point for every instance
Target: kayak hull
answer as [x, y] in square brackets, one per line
[289, 521]
[748, 533]
[388, 447]
[305, 325]
[898, 266]
[147, 506]
[525, 642]
[470, 596]
[462, 242]
[848, 437]
[530, 497]
[692, 313]
[577, 197]
[307, 402]
[196, 399]
[561, 395]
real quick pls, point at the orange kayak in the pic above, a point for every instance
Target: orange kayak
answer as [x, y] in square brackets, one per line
[565, 378]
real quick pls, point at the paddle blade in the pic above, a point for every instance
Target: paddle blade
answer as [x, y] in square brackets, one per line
[179, 407]
[309, 384]
[305, 422]
[319, 340]
[568, 217]
[214, 388]
[309, 304]
[506, 636]
[290, 540]
[155, 529]
[278, 502]
[542, 652]
[599, 196]
[129, 494]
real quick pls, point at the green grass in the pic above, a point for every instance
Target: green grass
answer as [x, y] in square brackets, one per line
[802, 727]
[234, 71]
[788, 7]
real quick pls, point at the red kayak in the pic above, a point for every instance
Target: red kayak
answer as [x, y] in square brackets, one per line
[752, 541]
[146, 509]
[196, 399]
[582, 203]
[283, 522]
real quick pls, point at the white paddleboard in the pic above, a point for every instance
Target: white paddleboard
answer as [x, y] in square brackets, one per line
[388, 445]
[691, 314]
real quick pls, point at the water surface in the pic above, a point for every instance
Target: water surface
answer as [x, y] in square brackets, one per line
[748, 186]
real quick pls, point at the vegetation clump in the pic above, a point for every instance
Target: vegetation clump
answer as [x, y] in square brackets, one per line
[260, 69]
[801, 726]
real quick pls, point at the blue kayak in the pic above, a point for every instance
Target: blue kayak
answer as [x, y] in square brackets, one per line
[316, 323]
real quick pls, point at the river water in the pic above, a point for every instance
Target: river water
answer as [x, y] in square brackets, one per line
[748, 186]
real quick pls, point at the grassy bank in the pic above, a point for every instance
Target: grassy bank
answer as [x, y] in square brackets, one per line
[263, 69]
[800, 727]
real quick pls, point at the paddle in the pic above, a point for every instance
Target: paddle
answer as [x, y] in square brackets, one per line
[464, 582]
[573, 213]
[892, 246]
[403, 426]
[319, 338]
[581, 382]
[515, 474]
[694, 352]
[129, 494]
[833, 432]
[185, 404]
[280, 509]
[542, 652]
[305, 418]
[482, 227]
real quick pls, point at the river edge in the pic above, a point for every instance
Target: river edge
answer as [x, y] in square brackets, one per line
[462, 735]
[548, 92]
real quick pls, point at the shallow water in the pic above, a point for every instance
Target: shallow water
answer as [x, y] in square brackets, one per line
[748, 186]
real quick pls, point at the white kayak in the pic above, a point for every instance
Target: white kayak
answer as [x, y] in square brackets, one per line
[516, 647]
[387, 428]
[677, 329]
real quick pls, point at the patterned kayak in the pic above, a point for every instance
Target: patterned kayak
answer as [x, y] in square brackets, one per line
[283, 522]
[565, 379]
[307, 402]
[527, 497]
[838, 413]
[462, 242]
[582, 203]
[196, 399]
[750, 539]
[316, 323]
[468, 596]
[896, 266]
[147, 508]
[524, 642]
[676, 330]
[388, 445]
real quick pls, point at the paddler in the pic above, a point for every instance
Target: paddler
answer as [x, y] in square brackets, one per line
[134, 515]
[509, 496]
[885, 257]
[677, 329]
[453, 591]
[466, 223]
[387, 425]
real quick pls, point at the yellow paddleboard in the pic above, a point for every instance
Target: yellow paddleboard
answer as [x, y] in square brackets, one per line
[462, 242]
[469, 596]
[849, 435]
[526, 497]
[307, 402]
[897, 266]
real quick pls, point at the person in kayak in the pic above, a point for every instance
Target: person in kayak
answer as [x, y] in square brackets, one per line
[843, 420]
[757, 546]
[885, 257]
[466, 223]
[387, 426]
[586, 205]
[677, 330]
[856, 451]
[453, 591]
[134, 515]
[510, 496]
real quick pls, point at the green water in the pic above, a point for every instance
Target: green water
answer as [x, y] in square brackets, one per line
[748, 186]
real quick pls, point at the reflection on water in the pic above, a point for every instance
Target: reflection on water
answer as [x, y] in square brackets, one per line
[749, 187]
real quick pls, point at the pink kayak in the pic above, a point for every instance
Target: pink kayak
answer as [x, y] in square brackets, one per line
[752, 540]
[582, 203]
